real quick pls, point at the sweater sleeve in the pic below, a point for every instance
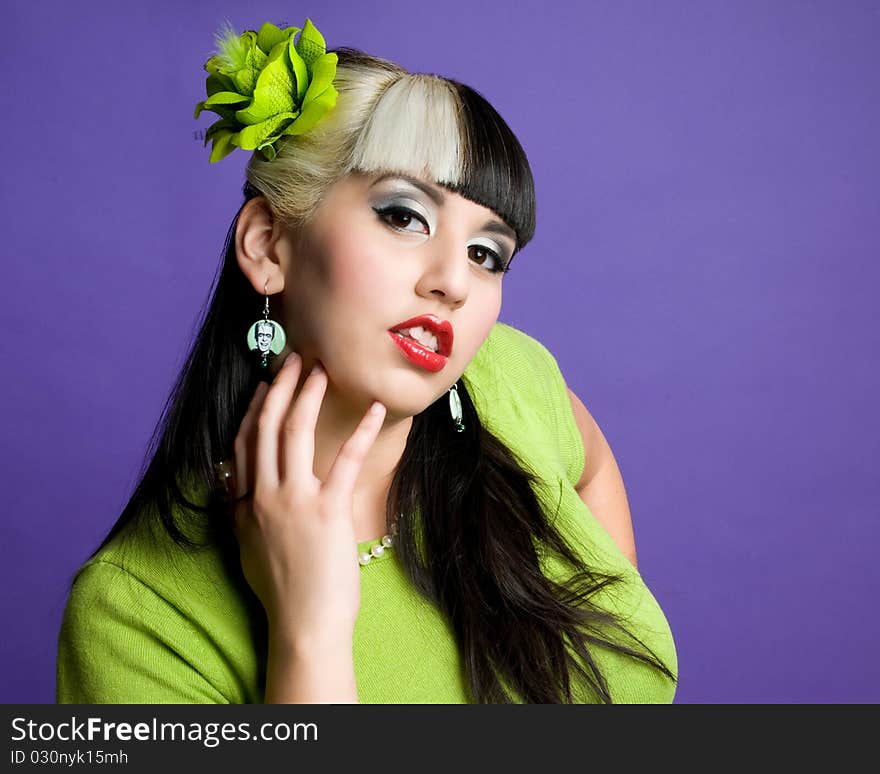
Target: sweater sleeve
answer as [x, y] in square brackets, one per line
[121, 643]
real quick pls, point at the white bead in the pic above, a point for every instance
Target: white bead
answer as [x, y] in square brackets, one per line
[379, 549]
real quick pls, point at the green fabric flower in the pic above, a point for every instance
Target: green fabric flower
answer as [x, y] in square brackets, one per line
[264, 87]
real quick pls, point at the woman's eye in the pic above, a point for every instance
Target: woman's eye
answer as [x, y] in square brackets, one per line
[402, 219]
[486, 258]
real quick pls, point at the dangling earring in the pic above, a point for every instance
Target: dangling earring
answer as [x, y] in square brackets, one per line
[266, 338]
[455, 408]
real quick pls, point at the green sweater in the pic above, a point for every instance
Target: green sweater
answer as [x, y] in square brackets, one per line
[147, 622]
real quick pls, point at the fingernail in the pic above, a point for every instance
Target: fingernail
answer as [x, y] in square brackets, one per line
[376, 408]
[292, 358]
[317, 368]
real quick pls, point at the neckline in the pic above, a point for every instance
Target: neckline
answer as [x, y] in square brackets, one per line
[364, 546]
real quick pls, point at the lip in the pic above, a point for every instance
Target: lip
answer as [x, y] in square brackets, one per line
[416, 353]
[440, 328]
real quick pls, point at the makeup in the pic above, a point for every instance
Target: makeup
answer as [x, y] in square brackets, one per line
[435, 332]
[417, 354]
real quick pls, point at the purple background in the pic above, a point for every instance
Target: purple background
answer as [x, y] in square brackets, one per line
[704, 268]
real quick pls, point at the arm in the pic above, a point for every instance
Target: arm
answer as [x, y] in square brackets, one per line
[310, 674]
[601, 485]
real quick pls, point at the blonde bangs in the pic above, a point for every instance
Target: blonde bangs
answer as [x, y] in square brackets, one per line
[415, 128]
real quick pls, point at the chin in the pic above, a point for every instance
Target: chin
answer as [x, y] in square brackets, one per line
[399, 409]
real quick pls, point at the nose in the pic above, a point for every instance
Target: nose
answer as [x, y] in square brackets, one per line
[446, 273]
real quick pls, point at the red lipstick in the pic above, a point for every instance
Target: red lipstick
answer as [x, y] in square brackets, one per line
[419, 354]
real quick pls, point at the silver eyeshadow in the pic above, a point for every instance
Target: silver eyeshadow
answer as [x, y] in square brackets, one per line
[401, 194]
[410, 204]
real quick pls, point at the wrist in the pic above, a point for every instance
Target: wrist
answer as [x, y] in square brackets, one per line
[313, 644]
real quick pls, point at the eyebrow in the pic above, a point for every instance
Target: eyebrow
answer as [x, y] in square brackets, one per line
[493, 226]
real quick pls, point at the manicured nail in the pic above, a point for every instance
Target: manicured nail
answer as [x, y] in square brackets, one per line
[376, 408]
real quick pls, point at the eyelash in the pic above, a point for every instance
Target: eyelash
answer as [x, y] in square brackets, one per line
[500, 268]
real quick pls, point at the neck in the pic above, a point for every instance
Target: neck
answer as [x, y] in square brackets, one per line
[337, 420]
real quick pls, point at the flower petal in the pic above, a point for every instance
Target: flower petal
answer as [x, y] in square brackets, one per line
[311, 44]
[270, 36]
[268, 151]
[248, 62]
[222, 145]
[252, 136]
[220, 98]
[323, 72]
[225, 98]
[253, 114]
[217, 81]
[219, 126]
[214, 64]
[313, 112]
[300, 71]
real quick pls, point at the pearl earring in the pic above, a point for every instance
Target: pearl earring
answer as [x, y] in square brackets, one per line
[455, 408]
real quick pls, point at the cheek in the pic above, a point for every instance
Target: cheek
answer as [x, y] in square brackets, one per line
[361, 272]
[488, 310]
[476, 326]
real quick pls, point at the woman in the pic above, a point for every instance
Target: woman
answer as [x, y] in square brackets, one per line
[401, 515]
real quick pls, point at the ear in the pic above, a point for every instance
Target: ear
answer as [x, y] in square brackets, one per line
[257, 235]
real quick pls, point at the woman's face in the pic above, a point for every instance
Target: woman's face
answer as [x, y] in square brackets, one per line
[379, 251]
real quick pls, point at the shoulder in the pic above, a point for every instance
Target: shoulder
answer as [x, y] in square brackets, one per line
[144, 562]
[514, 358]
[123, 576]
[518, 388]
[532, 373]
[104, 590]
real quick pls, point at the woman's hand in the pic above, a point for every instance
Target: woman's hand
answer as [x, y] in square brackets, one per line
[296, 534]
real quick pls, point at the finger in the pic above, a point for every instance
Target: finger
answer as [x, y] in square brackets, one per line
[298, 442]
[348, 463]
[266, 468]
[245, 441]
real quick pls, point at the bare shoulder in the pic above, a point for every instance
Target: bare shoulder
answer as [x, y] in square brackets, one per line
[591, 436]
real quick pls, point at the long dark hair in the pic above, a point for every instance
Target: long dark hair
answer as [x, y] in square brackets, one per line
[475, 550]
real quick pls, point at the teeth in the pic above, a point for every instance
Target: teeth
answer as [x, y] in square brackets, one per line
[422, 336]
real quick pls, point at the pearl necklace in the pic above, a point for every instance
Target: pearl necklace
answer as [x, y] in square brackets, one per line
[379, 548]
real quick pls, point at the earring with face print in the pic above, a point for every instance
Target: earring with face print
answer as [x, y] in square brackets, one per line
[265, 338]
